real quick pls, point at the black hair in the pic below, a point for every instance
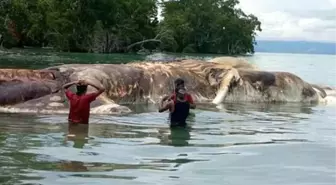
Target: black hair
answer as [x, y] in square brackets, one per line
[179, 83]
[81, 89]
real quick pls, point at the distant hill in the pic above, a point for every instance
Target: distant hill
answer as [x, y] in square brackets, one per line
[272, 46]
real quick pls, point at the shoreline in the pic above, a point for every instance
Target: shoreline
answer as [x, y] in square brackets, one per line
[51, 50]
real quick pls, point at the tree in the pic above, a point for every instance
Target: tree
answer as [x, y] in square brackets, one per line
[105, 26]
[210, 26]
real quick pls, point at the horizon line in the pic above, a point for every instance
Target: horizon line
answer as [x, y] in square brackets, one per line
[297, 40]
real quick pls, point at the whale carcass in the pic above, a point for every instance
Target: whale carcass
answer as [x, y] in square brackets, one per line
[217, 81]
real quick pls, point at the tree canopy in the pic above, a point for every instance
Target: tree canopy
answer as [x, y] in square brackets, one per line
[105, 26]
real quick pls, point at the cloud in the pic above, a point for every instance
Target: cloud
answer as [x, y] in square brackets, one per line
[313, 20]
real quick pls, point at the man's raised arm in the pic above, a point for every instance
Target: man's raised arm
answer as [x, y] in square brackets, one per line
[99, 88]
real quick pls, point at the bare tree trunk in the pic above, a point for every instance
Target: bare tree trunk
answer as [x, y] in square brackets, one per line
[106, 43]
[1, 41]
[142, 42]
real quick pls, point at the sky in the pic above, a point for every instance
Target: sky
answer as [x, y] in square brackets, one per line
[308, 20]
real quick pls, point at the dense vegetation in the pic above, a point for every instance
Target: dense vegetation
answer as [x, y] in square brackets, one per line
[106, 26]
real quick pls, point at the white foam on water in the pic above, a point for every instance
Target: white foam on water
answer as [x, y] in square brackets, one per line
[23, 110]
[110, 109]
[330, 92]
[329, 100]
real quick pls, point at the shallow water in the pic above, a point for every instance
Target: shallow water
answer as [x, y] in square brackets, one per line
[237, 144]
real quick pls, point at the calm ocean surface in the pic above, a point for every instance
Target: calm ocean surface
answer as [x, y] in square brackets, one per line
[239, 145]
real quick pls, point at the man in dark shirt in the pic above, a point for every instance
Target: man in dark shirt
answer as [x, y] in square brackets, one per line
[179, 83]
[179, 109]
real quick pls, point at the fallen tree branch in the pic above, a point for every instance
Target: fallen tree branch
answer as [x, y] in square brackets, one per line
[142, 42]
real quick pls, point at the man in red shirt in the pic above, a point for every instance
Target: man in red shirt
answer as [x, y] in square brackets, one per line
[80, 101]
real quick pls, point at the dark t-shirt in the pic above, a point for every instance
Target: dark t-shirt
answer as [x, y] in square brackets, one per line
[180, 114]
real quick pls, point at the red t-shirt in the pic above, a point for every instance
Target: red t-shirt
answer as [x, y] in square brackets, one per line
[80, 106]
[187, 97]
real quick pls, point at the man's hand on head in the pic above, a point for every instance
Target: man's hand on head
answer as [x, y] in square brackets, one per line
[82, 82]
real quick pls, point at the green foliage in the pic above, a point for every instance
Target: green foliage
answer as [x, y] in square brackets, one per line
[210, 26]
[105, 26]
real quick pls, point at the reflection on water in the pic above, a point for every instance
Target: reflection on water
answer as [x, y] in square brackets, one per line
[129, 150]
[78, 133]
[179, 136]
